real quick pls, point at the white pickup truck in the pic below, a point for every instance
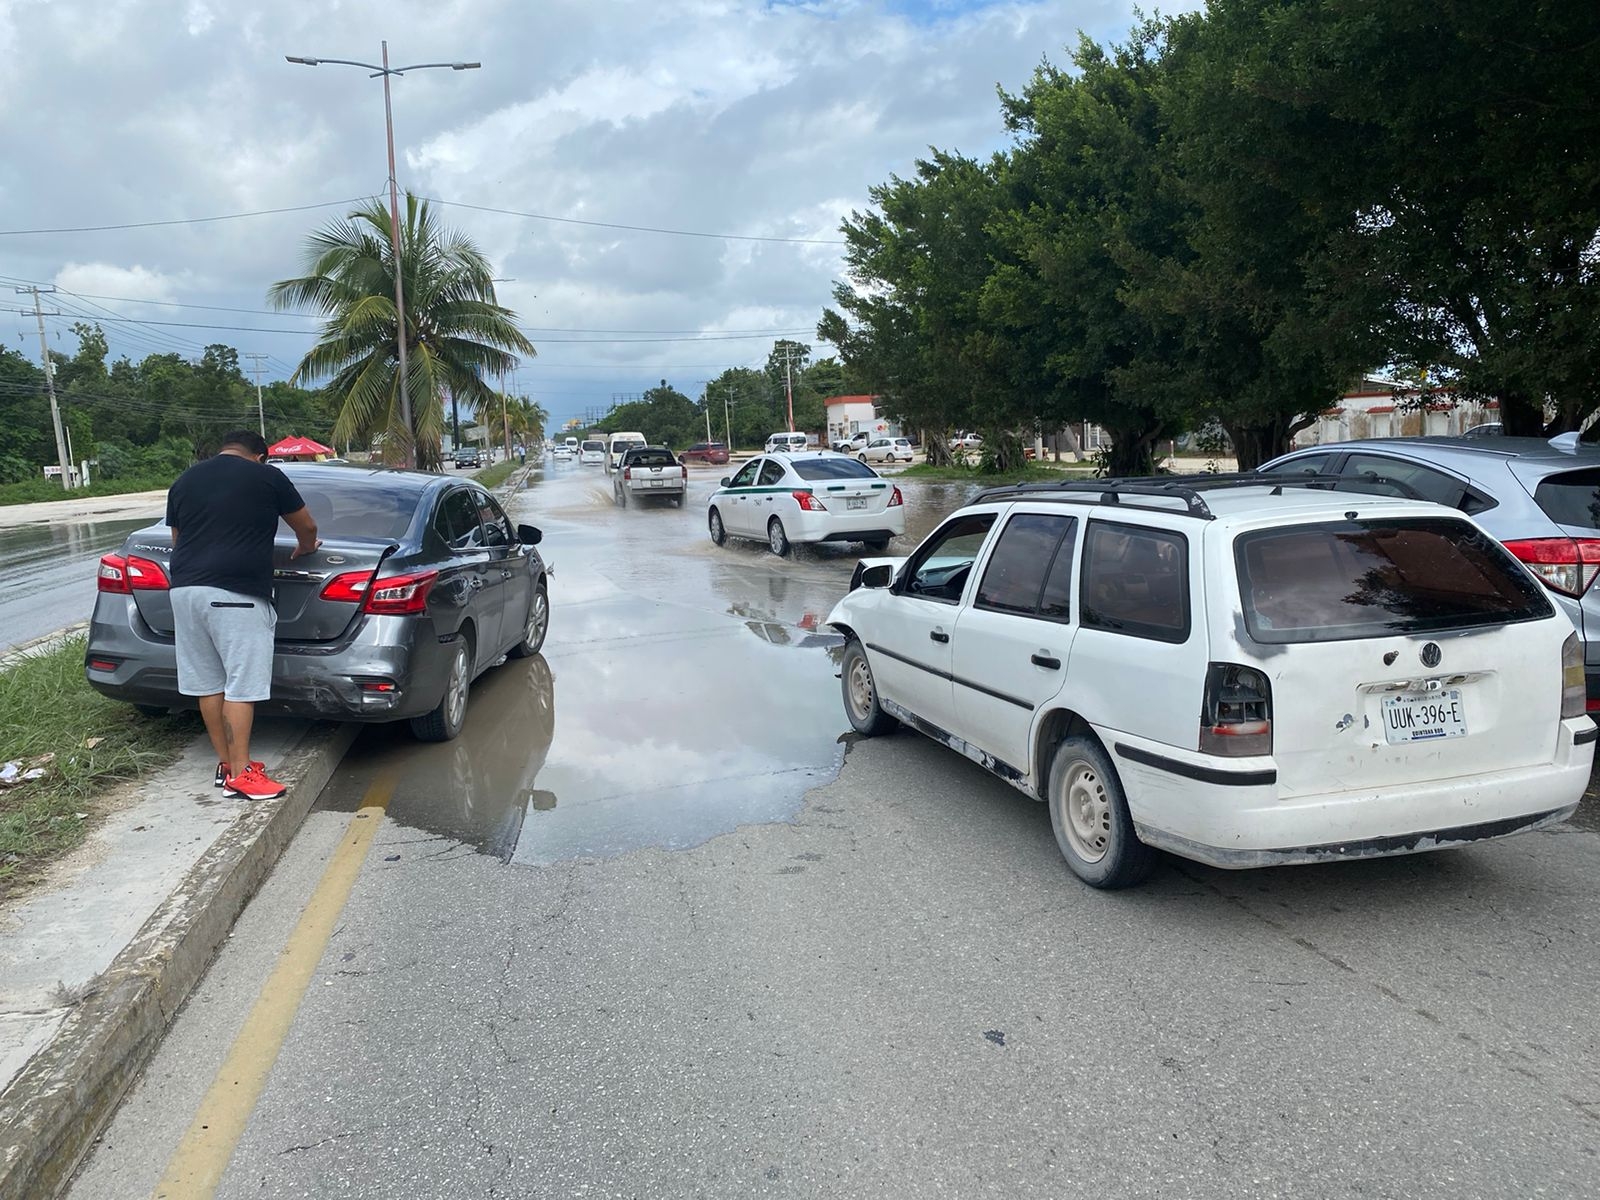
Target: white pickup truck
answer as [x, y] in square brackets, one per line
[649, 471]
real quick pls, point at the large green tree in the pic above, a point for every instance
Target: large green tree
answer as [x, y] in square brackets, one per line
[458, 336]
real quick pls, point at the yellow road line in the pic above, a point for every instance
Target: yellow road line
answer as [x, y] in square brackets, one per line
[196, 1166]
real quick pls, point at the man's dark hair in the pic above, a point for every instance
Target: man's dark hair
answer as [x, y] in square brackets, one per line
[243, 439]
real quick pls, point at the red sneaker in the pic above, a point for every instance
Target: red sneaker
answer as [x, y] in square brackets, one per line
[253, 784]
[224, 770]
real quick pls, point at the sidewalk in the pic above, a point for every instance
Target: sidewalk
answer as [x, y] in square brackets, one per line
[97, 960]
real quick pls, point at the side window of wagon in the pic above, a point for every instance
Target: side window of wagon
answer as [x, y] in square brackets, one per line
[1136, 581]
[1025, 559]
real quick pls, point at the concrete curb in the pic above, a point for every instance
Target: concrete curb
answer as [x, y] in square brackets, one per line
[57, 1105]
[13, 654]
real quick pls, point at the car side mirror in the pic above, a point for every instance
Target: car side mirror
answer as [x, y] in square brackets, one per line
[879, 575]
[726, 480]
[528, 535]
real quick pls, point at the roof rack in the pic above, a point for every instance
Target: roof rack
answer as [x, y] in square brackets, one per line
[1131, 490]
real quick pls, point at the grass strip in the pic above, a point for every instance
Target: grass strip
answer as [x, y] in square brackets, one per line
[46, 707]
[493, 477]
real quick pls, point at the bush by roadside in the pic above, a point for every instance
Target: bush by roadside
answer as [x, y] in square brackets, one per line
[33, 491]
[81, 743]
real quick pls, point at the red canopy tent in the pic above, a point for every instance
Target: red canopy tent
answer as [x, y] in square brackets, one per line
[300, 447]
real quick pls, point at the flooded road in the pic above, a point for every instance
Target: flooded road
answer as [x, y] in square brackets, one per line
[685, 689]
[47, 571]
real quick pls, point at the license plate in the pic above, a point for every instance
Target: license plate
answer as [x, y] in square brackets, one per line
[1428, 718]
[655, 483]
[855, 501]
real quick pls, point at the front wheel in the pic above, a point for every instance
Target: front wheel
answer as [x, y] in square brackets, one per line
[718, 533]
[446, 720]
[536, 626]
[862, 457]
[777, 538]
[861, 694]
[1089, 814]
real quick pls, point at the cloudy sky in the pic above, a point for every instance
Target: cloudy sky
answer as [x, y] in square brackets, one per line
[721, 117]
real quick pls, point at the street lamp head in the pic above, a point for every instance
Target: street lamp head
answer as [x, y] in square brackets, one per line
[465, 66]
[306, 62]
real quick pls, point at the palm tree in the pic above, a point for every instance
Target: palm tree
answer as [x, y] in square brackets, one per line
[457, 335]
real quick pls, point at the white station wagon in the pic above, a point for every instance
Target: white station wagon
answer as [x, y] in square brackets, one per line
[815, 496]
[1235, 672]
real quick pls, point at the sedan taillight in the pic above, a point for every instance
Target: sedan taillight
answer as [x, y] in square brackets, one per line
[392, 595]
[895, 498]
[808, 502]
[122, 575]
[1565, 565]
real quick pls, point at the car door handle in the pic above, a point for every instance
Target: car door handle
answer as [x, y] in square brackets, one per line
[939, 635]
[505, 574]
[1047, 661]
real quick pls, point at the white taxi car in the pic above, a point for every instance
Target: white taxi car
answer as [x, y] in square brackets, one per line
[887, 449]
[811, 496]
[1240, 673]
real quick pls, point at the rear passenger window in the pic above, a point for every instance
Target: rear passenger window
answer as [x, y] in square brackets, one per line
[1136, 581]
[1014, 580]
[1395, 477]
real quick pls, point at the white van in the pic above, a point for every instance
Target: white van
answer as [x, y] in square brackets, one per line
[620, 442]
[592, 452]
[787, 442]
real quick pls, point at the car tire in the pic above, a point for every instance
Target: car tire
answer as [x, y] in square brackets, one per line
[880, 543]
[536, 626]
[151, 710]
[860, 690]
[862, 456]
[714, 524]
[777, 538]
[1089, 814]
[447, 718]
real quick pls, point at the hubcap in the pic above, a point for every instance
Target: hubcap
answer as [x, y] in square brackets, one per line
[716, 526]
[1085, 810]
[775, 537]
[860, 688]
[538, 613]
[456, 693]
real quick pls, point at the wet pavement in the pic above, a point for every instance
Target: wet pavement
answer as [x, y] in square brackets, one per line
[685, 690]
[47, 572]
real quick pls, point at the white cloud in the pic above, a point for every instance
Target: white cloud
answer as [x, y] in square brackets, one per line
[106, 279]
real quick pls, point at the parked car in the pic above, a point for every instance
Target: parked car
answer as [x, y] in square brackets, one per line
[966, 441]
[467, 456]
[794, 442]
[887, 449]
[592, 452]
[853, 444]
[652, 471]
[710, 453]
[618, 444]
[1540, 498]
[818, 496]
[422, 583]
[1486, 430]
[1238, 674]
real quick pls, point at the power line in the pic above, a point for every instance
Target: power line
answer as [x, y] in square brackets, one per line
[265, 212]
[727, 237]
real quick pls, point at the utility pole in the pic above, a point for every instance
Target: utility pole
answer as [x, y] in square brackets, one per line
[261, 413]
[50, 382]
[788, 380]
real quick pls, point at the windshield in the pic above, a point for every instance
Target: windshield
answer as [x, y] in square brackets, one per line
[594, 446]
[832, 468]
[1360, 579]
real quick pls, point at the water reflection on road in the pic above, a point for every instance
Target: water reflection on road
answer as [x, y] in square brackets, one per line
[47, 572]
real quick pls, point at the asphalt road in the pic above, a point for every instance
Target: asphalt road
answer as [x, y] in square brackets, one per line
[652, 928]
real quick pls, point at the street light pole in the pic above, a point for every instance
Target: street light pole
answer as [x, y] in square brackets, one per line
[385, 71]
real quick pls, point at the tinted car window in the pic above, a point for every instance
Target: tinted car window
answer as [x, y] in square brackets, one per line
[1357, 579]
[833, 468]
[1015, 576]
[941, 568]
[1386, 476]
[457, 521]
[1311, 464]
[1571, 498]
[497, 529]
[771, 472]
[746, 476]
[361, 507]
[1055, 602]
[650, 458]
[1136, 581]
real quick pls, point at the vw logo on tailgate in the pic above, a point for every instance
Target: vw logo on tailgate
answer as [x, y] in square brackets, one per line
[1431, 655]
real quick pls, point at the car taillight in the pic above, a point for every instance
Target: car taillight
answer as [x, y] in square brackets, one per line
[896, 498]
[627, 474]
[808, 502]
[1565, 565]
[684, 467]
[392, 595]
[1236, 713]
[1574, 686]
[121, 575]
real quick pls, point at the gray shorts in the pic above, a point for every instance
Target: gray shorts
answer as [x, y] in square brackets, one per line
[224, 643]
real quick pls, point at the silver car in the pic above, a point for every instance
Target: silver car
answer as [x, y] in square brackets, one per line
[421, 584]
[1540, 498]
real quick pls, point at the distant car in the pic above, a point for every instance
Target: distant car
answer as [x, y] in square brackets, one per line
[563, 452]
[1486, 430]
[793, 442]
[468, 456]
[421, 584]
[619, 444]
[1540, 498]
[592, 453]
[649, 471]
[818, 496]
[854, 443]
[887, 449]
[966, 441]
[711, 453]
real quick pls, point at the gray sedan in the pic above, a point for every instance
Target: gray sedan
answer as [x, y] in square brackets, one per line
[422, 583]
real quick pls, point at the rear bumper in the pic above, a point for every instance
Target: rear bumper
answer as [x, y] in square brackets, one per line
[673, 486]
[321, 680]
[1229, 814]
[843, 527]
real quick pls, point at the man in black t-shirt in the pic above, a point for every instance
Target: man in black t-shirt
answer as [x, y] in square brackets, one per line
[224, 517]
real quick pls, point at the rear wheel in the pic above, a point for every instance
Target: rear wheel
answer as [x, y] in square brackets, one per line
[446, 720]
[861, 694]
[777, 538]
[877, 543]
[862, 457]
[536, 626]
[718, 533]
[1089, 814]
